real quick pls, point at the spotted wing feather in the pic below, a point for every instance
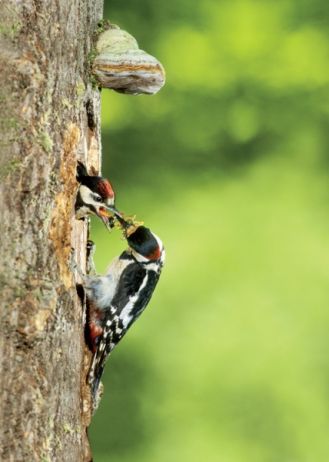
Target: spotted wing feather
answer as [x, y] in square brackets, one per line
[133, 293]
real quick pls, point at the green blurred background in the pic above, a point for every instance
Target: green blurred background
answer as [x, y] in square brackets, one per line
[229, 165]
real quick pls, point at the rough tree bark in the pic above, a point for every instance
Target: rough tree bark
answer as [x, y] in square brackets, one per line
[49, 119]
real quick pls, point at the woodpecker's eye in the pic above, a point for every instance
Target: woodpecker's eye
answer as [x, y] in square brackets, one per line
[97, 198]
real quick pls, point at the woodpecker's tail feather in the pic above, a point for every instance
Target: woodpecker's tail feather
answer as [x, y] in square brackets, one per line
[94, 377]
[96, 372]
[95, 386]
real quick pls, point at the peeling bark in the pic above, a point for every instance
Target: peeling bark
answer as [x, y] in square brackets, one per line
[50, 118]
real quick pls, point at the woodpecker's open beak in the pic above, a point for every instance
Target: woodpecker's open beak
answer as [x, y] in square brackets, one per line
[128, 226]
[113, 211]
[107, 215]
[125, 224]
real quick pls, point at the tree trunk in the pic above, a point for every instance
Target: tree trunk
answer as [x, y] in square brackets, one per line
[49, 119]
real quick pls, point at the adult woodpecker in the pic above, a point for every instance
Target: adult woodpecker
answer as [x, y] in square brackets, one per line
[95, 197]
[117, 299]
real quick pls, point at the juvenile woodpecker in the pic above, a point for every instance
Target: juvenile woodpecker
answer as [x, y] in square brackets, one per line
[117, 299]
[95, 197]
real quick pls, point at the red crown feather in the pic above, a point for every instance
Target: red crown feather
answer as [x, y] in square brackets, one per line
[105, 189]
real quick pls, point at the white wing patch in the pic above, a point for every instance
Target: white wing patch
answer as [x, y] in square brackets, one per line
[126, 314]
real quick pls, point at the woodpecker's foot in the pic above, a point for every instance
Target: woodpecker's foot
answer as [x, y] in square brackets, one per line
[91, 247]
[90, 265]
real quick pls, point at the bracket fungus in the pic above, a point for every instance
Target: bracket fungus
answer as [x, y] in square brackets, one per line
[122, 66]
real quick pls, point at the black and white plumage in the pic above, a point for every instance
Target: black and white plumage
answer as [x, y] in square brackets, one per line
[117, 299]
[95, 196]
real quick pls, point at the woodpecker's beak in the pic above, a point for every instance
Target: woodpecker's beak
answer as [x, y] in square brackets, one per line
[125, 224]
[107, 215]
[113, 211]
[128, 226]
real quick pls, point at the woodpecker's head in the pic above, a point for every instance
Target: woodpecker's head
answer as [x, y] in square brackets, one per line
[95, 196]
[145, 245]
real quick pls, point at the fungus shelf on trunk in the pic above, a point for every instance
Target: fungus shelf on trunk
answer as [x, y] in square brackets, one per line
[121, 65]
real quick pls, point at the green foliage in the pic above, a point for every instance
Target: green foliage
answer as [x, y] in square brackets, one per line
[227, 164]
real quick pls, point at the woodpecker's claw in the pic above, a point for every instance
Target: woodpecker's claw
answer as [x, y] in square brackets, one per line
[91, 247]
